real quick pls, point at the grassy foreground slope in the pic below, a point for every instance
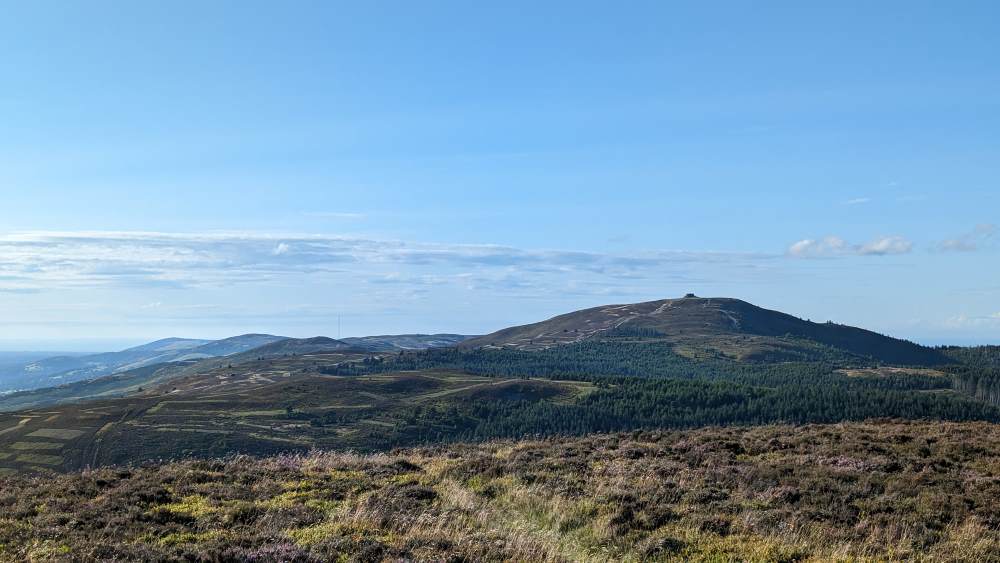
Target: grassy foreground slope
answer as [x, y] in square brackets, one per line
[853, 491]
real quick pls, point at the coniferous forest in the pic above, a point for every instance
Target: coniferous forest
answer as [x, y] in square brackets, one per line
[643, 385]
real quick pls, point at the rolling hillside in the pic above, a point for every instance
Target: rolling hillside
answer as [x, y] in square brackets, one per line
[193, 364]
[265, 406]
[326, 400]
[713, 326]
[60, 370]
[665, 364]
[295, 347]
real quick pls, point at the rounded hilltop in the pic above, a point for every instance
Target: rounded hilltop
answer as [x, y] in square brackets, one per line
[723, 326]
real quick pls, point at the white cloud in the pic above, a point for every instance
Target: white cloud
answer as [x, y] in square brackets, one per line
[818, 248]
[857, 201]
[886, 245]
[832, 246]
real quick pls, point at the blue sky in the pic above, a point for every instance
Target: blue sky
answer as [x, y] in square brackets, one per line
[210, 168]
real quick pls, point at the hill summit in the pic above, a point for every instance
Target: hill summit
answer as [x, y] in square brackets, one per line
[697, 326]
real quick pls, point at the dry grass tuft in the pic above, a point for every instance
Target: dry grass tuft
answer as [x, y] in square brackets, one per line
[845, 492]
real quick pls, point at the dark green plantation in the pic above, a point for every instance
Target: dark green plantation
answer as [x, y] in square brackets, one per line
[645, 384]
[978, 373]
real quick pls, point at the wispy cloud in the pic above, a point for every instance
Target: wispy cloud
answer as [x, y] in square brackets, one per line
[45, 260]
[858, 201]
[833, 247]
[971, 241]
[973, 321]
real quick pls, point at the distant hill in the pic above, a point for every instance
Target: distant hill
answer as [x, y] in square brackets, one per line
[15, 361]
[217, 354]
[59, 370]
[236, 344]
[206, 358]
[372, 344]
[168, 345]
[394, 343]
[697, 326]
[297, 347]
[81, 366]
